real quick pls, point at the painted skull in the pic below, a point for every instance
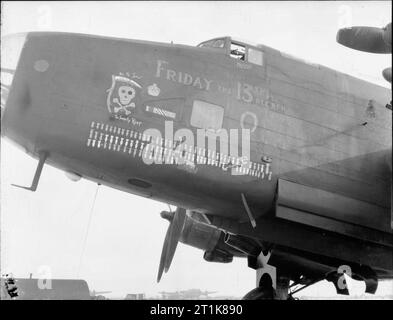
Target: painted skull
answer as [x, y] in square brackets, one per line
[126, 94]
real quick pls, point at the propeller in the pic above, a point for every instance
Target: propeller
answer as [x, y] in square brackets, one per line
[369, 39]
[176, 222]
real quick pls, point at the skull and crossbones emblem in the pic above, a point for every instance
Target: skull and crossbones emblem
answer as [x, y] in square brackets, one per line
[122, 94]
[126, 94]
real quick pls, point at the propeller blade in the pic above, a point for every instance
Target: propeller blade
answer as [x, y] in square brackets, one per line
[369, 39]
[176, 229]
[163, 254]
[387, 74]
[172, 237]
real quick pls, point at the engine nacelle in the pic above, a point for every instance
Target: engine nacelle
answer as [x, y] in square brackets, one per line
[218, 256]
[197, 232]
[200, 234]
[242, 244]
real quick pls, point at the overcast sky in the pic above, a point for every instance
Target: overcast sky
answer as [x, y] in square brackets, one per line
[123, 246]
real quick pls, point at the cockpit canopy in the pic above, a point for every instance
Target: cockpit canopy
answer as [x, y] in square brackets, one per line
[236, 49]
[215, 43]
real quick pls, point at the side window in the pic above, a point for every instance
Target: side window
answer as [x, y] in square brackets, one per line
[206, 115]
[238, 51]
[255, 56]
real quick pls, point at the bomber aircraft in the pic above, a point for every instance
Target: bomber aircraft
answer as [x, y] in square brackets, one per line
[268, 157]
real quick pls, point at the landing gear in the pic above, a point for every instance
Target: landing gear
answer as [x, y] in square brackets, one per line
[282, 289]
[270, 286]
[264, 291]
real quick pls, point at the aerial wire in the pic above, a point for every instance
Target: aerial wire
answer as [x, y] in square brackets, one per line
[87, 230]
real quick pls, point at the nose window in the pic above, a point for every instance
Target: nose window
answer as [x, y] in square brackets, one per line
[11, 48]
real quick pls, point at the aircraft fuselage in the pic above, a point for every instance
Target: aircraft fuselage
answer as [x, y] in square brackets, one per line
[88, 101]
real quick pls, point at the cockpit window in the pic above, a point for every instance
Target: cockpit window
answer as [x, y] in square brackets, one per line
[219, 43]
[238, 51]
[216, 43]
[255, 56]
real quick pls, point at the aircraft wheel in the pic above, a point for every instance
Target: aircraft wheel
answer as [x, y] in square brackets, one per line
[265, 291]
[260, 294]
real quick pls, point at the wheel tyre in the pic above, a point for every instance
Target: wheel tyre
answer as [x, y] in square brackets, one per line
[260, 294]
